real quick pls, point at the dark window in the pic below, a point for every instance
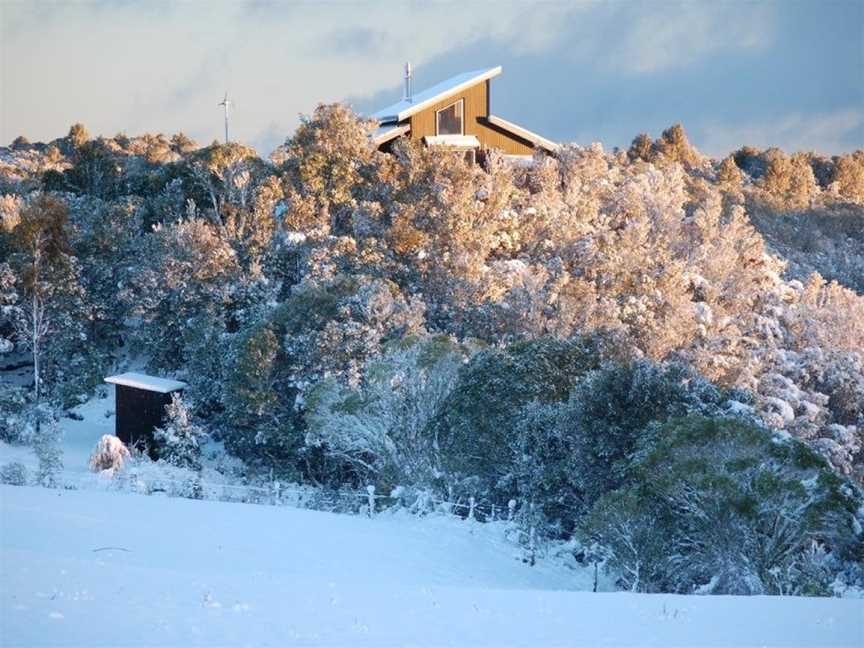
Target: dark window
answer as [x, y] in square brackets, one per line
[449, 120]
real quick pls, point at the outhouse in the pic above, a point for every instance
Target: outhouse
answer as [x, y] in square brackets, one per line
[140, 407]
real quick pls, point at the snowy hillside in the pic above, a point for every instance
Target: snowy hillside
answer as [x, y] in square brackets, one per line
[104, 569]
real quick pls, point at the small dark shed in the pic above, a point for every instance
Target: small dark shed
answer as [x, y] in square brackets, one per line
[140, 407]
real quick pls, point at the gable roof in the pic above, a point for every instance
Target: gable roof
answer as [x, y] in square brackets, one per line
[404, 109]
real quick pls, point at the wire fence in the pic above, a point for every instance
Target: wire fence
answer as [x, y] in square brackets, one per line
[367, 501]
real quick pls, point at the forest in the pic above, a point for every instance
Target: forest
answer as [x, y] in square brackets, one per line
[653, 359]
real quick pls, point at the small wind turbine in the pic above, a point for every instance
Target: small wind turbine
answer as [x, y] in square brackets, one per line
[225, 104]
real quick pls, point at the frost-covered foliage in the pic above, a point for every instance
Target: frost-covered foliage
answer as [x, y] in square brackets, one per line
[179, 439]
[14, 474]
[477, 422]
[109, 454]
[723, 506]
[46, 439]
[594, 294]
[381, 429]
[567, 455]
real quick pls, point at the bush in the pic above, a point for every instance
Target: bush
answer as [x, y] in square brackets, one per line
[476, 423]
[110, 454]
[723, 506]
[570, 455]
[14, 474]
[380, 430]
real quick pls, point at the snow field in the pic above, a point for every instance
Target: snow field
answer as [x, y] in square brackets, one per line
[84, 568]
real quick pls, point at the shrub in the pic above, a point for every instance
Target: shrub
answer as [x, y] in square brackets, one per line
[380, 430]
[13, 474]
[476, 423]
[723, 506]
[110, 454]
[571, 454]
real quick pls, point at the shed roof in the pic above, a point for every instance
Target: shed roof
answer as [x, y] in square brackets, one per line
[404, 109]
[145, 382]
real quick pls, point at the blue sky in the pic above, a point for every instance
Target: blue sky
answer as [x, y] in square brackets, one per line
[788, 74]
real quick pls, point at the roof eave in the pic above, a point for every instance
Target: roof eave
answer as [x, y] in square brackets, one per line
[530, 136]
[391, 134]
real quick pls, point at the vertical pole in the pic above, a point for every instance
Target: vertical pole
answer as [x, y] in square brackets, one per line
[370, 490]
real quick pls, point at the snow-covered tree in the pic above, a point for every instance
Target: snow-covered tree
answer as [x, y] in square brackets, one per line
[380, 429]
[722, 506]
[179, 439]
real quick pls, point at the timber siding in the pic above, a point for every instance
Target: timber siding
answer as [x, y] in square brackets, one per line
[476, 111]
[414, 117]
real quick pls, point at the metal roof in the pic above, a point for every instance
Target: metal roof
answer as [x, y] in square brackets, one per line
[404, 109]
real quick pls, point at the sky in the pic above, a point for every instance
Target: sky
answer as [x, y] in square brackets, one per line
[787, 73]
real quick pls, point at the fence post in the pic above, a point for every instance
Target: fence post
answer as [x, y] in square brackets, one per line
[531, 548]
[492, 515]
[277, 495]
[370, 490]
[470, 508]
[511, 509]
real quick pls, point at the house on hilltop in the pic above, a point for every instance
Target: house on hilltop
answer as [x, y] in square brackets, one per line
[456, 115]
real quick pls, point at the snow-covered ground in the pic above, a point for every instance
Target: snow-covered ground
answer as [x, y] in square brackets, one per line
[108, 569]
[79, 436]
[94, 568]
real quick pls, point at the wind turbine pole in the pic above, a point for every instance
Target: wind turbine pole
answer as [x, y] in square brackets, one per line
[225, 103]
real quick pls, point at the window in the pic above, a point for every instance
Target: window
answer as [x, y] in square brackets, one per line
[448, 121]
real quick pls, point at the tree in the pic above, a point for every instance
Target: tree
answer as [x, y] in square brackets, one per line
[674, 146]
[326, 161]
[380, 428]
[41, 240]
[849, 176]
[476, 422]
[569, 455]
[226, 173]
[10, 311]
[78, 135]
[179, 439]
[640, 149]
[728, 173]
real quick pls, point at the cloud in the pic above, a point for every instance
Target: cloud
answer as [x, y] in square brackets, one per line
[823, 133]
[677, 35]
[572, 71]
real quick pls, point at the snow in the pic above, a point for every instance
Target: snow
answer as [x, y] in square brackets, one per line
[133, 570]
[403, 109]
[148, 383]
[390, 131]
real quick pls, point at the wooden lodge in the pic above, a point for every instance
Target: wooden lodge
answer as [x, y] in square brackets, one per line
[456, 115]
[140, 407]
